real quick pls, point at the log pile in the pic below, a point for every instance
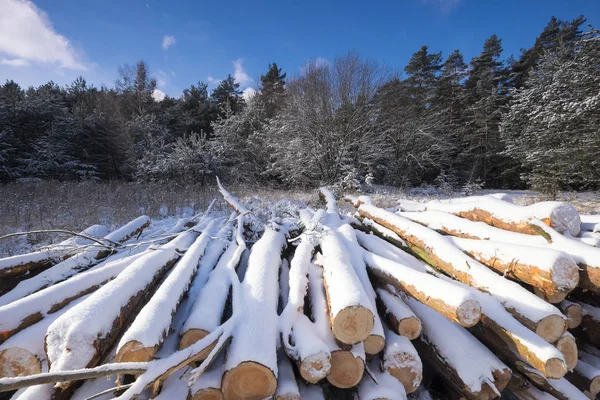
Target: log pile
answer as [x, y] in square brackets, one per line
[471, 298]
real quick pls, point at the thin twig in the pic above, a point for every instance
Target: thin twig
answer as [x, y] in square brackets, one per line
[111, 390]
[64, 231]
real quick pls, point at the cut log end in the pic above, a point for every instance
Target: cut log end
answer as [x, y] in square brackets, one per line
[552, 298]
[346, 369]
[315, 367]
[574, 315]
[249, 380]
[555, 368]
[18, 362]
[208, 394]
[135, 351]
[568, 347]
[595, 387]
[374, 344]
[353, 324]
[192, 336]
[404, 370]
[410, 328]
[551, 328]
[468, 313]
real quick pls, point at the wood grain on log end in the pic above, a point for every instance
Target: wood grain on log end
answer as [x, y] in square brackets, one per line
[18, 362]
[551, 328]
[555, 368]
[346, 369]
[374, 344]
[315, 367]
[468, 313]
[568, 347]
[208, 394]
[353, 324]
[135, 351]
[192, 336]
[249, 380]
[410, 328]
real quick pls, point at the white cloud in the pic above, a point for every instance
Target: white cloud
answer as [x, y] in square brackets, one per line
[248, 93]
[158, 95]
[239, 74]
[167, 42]
[27, 36]
[16, 62]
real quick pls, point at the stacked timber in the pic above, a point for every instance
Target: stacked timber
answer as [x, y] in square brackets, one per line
[473, 298]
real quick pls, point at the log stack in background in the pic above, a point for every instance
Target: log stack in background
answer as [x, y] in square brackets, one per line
[469, 298]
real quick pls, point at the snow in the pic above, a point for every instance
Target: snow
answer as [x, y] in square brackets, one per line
[150, 327]
[286, 381]
[590, 238]
[445, 222]
[55, 252]
[70, 339]
[211, 378]
[387, 250]
[559, 265]
[355, 252]
[208, 307]
[563, 216]
[174, 388]
[41, 302]
[431, 286]
[399, 353]
[387, 387]
[384, 232]
[587, 370]
[71, 266]
[473, 361]
[395, 306]
[590, 223]
[343, 285]
[589, 359]
[511, 294]
[38, 392]
[257, 329]
[32, 338]
[310, 392]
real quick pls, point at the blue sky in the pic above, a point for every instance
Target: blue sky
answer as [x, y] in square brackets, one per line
[187, 41]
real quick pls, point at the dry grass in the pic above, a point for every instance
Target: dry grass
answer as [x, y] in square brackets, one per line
[75, 206]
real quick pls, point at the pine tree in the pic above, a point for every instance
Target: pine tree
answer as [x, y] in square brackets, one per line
[552, 126]
[272, 90]
[422, 70]
[228, 94]
[481, 157]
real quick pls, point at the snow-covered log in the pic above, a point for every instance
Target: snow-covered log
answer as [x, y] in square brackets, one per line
[23, 354]
[346, 365]
[511, 217]
[23, 263]
[520, 340]
[398, 315]
[349, 307]
[84, 334]
[287, 388]
[522, 389]
[375, 342]
[589, 238]
[75, 264]
[451, 301]
[142, 339]
[586, 378]
[536, 314]
[310, 392]
[401, 360]
[561, 388]
[207, 311]
[590, 223]
[568, 347]
[301, 339]
[208, 385]
[463, 362]
[386, 386]
[251, 367]
[22, 313]
[382, 233]
[357, 201]
[547, 269]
